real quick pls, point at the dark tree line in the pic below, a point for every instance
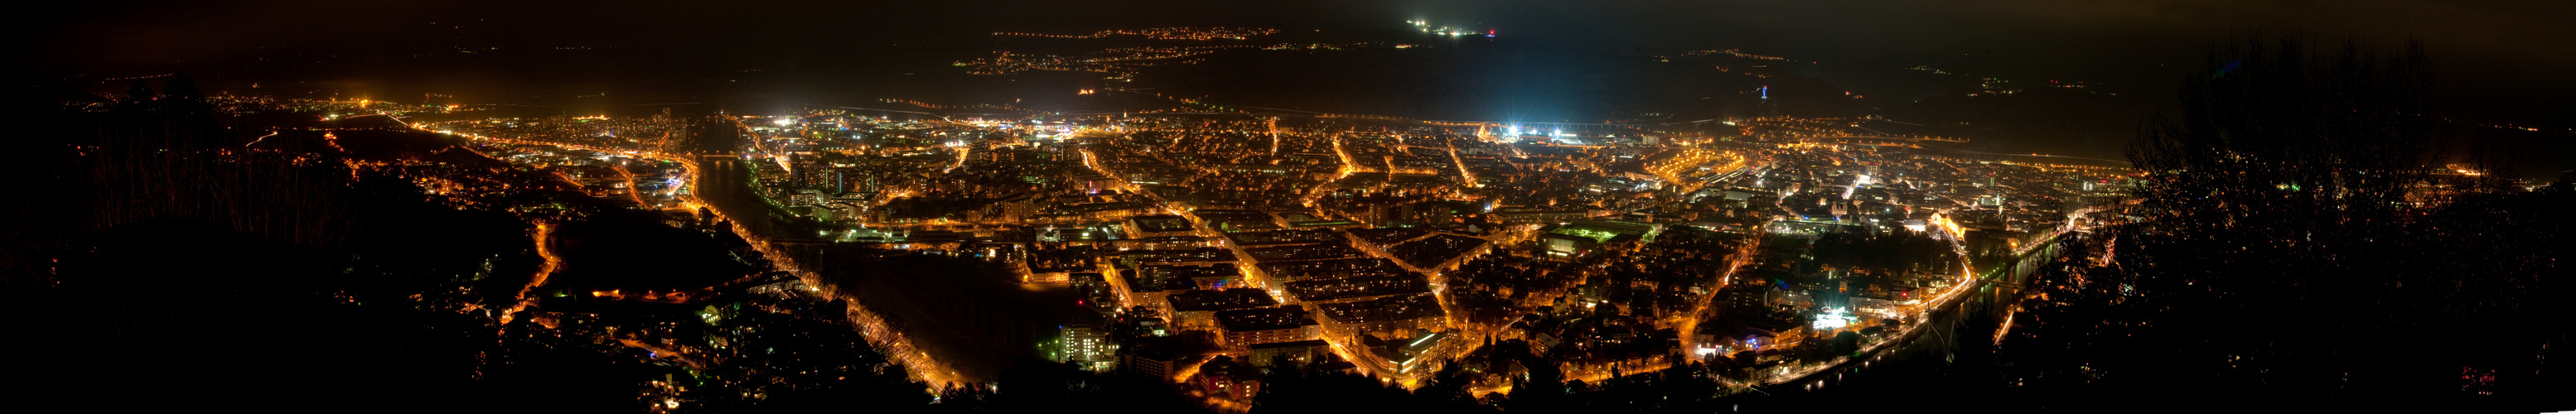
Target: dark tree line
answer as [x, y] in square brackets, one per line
[1902, 250]
[2301, 246]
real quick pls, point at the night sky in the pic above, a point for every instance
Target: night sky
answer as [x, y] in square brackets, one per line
[2496, 62]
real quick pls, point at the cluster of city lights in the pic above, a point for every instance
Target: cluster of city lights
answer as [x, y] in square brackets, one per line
[1426, 27]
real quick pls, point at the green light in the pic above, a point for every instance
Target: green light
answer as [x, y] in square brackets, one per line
[1597, 236]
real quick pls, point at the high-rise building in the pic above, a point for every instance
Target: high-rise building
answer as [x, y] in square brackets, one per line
[866, 183]
[805, 171]
[1090, 347]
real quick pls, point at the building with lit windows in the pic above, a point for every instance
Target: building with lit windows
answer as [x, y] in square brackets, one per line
[1197, 309]
[1388, 315]
[1301, 352]
[1090, 347]
[1243, 328]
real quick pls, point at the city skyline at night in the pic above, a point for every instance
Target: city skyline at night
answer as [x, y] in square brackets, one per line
[1282, 208]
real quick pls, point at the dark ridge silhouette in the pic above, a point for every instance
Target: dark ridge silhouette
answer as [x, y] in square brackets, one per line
[156, 156]
[302, 266]
[179, 257]
[2295, 224]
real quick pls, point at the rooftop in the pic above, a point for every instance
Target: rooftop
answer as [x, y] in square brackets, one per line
[1217, 300]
